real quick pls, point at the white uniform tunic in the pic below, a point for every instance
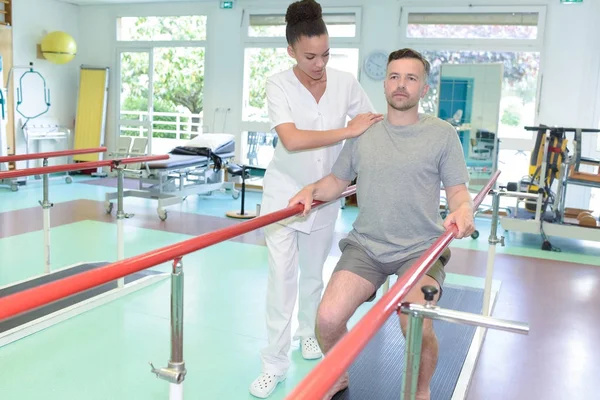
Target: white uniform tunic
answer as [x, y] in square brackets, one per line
[301, 243]
[290, 101]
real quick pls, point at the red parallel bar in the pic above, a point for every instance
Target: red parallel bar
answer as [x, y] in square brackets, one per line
[133, 160]
[61, 153]
[16, 173]
[342, 355]
[30, 299]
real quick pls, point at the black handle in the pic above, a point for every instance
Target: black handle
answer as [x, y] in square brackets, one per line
[429, 292]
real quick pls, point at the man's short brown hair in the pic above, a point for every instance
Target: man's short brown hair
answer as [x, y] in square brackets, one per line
[410, 53]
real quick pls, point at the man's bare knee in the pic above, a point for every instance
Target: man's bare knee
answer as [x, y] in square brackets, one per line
[344, 293]
[329, 320]
[415, 296]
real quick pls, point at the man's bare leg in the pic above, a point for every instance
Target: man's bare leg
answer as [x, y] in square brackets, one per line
[344, 293]
[429, 348]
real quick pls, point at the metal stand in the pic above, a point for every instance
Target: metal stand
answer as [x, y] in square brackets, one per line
[493, 239]
[417, 312]
[46, 206]
[121, 215]
[414, 342]
[243, 172]
[175, 372]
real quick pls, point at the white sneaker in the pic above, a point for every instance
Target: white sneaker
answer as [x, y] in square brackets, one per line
[310, 348]
[263, 386]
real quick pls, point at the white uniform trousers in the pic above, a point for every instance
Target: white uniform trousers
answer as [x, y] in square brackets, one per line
[290, 252]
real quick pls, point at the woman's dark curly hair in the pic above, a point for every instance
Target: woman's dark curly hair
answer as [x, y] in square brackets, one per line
[304, 18]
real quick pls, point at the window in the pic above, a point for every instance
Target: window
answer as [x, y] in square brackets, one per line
[161, 76]
[512, 36]
[514, 165]
[265, 54]
[341, 25]
[519, 28]
[519, 86]
[191, 27]
[500, 25]
[167, 101]
[260, 63]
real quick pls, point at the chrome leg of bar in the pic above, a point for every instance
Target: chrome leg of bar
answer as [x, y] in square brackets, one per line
[175, 372]
[121, 215]
[177, 313]
[493, 241]
[414, 343]
[417, 312]
[46, 206]
[412, 355]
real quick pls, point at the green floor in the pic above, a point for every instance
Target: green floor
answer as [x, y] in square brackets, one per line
[104, 353]
[224, 327]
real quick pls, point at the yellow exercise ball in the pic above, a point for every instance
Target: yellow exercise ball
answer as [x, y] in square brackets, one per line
[59, 47]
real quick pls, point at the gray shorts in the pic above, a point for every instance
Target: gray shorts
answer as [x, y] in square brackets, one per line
[357, 261]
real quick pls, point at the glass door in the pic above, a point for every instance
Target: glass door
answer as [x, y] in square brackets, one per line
[178, 96]
[136, 94]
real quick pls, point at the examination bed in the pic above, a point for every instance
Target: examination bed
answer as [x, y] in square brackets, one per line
[196, 167]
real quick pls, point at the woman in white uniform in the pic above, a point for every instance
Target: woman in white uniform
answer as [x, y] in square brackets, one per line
[308, 108]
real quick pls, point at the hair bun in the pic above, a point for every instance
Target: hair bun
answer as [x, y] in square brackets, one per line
[303, 10]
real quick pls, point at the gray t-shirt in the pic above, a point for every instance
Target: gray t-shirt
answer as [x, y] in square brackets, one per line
[400, 171]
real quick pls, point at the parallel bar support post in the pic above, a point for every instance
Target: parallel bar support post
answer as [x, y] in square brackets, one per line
[177, 313]
[493, 240]
[46, 206]
[414, 333]
[121, 216]
[175, 372]
[412, 357]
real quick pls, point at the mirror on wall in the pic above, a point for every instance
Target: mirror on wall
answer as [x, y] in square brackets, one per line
[469, 98]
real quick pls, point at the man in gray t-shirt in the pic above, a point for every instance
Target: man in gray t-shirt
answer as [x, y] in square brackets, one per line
[400, 165]
[398, 187]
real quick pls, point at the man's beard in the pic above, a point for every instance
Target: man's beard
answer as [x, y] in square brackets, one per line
[404, 104]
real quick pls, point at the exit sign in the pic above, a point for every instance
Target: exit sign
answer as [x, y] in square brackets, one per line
[571, 1]
[227, 4]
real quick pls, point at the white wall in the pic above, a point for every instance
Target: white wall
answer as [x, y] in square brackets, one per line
[32, 20]
[570, 68]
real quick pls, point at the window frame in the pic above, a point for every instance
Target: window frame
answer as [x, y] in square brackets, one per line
[127, 44]
[263, 45]
[479, 43]
[511, 45]
[281, 41]
[121, 46]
